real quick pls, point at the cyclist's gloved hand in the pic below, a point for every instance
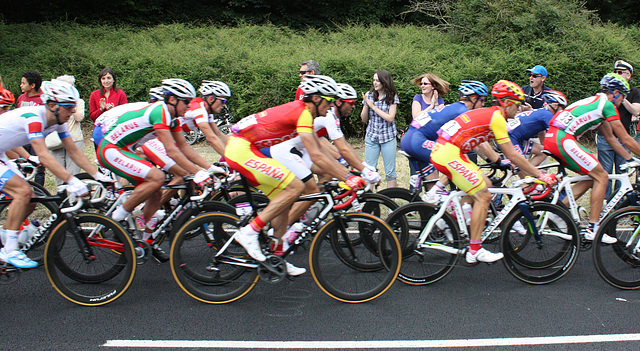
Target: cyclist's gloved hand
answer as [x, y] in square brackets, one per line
[217, 170]
[502, 163]
[102, 178]
[355, 182]
[371, 176]
[77, 187]
[201, 178]
[343, 162]
[34, 159]
[548, 178]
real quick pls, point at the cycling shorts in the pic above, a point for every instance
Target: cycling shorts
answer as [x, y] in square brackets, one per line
[295, 159]
[154, 150]
[566, 148]
[126, 164]
[265, 173]
[449, 160]
[7, 170]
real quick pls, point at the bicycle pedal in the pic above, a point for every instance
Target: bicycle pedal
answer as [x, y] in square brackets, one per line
[273, 269]
[9, 274]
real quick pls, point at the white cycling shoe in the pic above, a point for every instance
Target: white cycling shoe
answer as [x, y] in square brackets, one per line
[248, 238]
[483, 255]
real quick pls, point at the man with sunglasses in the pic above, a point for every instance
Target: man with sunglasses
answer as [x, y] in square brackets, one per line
[534, 90]
[565, 128]
[30, 125]
[272, 127]
[307, 67]
[630, 106]
[465, 132]
[134, 128]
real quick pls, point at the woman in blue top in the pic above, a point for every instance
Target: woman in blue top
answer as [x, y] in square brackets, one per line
[379, 111]
[432, 88]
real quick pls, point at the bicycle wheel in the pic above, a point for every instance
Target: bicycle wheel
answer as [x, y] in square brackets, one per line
[421, 266]
[618, 264]
[199, 272]
[354, 273]
[401, 196]
[192, 212]
[544, 259]
[92, 282]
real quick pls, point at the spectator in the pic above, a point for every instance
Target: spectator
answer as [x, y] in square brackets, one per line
[75, 131]
[379, 111]
[105, 98]
[30, 87]
[433, 88]
[306, 67]
[533, 91]
[630, 106]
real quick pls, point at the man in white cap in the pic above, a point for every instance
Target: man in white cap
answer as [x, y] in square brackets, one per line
[533, 91]
[629, 107]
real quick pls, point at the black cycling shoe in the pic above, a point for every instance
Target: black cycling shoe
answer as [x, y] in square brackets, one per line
[159, 253]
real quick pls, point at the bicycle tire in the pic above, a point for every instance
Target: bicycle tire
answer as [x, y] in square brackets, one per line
[191, 137]
[339, 273]
[90, 283]
[196, 269]
[549, 259]
[618, 263]
[192, 212]
[426, 265]
[401, 196]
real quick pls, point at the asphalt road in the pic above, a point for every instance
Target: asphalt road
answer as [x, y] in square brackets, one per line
[483, 303]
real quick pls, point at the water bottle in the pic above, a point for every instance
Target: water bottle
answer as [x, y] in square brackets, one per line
[292, 234]
[466, 210]
[28, 232]
[311, 213]
[243, 209]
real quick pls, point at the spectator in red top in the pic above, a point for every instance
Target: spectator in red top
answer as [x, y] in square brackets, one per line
[107, 97]
[30, 87]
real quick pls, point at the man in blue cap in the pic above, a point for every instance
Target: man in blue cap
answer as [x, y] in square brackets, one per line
[533, 91]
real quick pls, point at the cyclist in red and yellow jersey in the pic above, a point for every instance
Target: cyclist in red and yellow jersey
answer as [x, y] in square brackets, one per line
[271, 127]
[467, 131]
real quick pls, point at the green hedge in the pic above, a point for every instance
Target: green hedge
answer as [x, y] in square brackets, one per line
[260, 63]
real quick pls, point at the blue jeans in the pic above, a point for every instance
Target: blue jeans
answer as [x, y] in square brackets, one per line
[607, 158]
[373, 150]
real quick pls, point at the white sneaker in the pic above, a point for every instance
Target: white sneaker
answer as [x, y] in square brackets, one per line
[293, 270]
[248, 238]
[483, 255]
[589, 235]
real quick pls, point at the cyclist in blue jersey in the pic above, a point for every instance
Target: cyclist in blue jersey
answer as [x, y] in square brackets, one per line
[420, 138]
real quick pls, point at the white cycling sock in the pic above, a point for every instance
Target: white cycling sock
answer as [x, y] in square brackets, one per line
[10, 241]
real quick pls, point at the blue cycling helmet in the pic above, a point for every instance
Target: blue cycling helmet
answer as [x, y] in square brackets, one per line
[473, 87]
[554, 96]
[612, 81]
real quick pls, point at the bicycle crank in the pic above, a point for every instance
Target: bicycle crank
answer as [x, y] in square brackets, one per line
[9, 274]
[273, 269]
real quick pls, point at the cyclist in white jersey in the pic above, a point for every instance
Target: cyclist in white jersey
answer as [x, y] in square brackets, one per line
[30, 125]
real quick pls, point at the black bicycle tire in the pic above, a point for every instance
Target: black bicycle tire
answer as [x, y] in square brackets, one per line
[126, 263]
[192, 281]
[326, 240]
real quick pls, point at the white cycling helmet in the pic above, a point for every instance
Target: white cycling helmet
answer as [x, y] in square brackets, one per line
[318, 84]
[214, 87]
[180, 88]
[346, 91]
[155, 94]
[59, 91]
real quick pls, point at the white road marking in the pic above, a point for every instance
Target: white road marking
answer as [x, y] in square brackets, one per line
[380, 344]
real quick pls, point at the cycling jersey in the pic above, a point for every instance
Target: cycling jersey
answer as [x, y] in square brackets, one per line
[110, 117]
[19, 126]
[136, 127]
[527, 125]
[475, 127]
[585, 115]
[430, 122]
[196, 114]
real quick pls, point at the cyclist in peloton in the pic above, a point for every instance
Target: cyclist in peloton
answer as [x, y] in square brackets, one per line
[117, 149]
[293, 155]
[30, 125]
[421, 136]
[459, 136]
[565, 129]
[271, 127]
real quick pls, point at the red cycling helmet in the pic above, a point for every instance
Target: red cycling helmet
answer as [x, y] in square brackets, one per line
[6, 97]
[505, 89]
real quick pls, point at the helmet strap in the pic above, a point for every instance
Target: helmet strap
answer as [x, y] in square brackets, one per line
[210, 105]
[55, 113]
[175, 106]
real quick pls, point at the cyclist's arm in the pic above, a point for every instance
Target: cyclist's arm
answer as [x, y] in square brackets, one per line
[518, 160]
[165, 137]
[20, 152]
[188, 150]
[77, 156]
[487, 152]
[349, 153]
[615, 127]
[213, 138]
[48, 161]
[328, 164]
[326, 144]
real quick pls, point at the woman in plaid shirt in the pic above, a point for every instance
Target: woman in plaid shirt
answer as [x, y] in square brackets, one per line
[379, 111]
